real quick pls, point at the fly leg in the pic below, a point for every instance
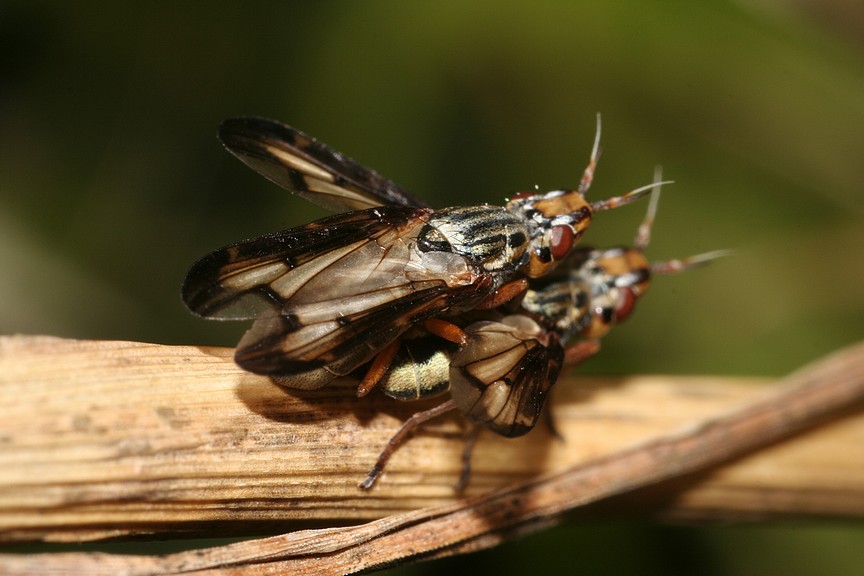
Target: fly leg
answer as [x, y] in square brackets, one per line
[573, 355]
[504, 294]
[446, 330]
[549, 420]
[467, 451]
[381, 363]
[407, 427]
[580, 351]
[378, 368]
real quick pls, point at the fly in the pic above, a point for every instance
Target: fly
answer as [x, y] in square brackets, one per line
[502, 373]
[332, 295]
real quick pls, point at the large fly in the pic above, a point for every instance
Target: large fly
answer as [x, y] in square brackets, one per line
[332, 295]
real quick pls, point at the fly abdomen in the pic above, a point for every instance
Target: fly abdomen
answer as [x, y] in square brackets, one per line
[421, 369]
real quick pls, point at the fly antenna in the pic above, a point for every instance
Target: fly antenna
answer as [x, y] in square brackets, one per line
[627, 198]
[682, 264]
[643, 234]
[588, 174]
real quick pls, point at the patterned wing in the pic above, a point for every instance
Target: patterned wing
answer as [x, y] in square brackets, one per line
[244, 280]
[309, 168]
[331, 294]
[502, 376]
[317, 349]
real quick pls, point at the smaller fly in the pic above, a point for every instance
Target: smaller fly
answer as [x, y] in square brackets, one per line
[332, 295]
[507, 363]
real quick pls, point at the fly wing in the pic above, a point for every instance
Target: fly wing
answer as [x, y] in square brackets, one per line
[309, 168]
[320, 338]
[332, 293]
[502, 376]
[247, 279]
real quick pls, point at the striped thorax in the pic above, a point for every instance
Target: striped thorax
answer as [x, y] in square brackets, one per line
[491, 238]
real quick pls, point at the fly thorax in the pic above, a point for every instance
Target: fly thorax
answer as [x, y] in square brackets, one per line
[491, 238]
[556, 222]
[561, 306]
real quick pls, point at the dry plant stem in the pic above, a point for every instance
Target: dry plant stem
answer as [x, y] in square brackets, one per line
[105, 439]
[801, 400]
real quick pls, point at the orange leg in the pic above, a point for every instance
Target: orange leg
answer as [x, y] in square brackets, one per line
[446, 330]
[580, 351]
[381, 363]
[504, 294]
[378, 368]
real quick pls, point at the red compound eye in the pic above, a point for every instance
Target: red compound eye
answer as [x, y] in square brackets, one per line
[520, 195]
[560, 241]
[625, 304]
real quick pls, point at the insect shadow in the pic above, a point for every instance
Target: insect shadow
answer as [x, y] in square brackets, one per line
[336, 402]
[336, 407]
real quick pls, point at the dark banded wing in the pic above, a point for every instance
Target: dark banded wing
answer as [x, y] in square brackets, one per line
[246, 279]
[319, 338]
[309, 168]
[502, 376]
[332, 293]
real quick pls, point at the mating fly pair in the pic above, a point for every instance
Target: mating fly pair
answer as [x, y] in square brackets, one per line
[331, 296]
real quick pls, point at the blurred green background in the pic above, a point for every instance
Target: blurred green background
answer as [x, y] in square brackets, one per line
[112, 181]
